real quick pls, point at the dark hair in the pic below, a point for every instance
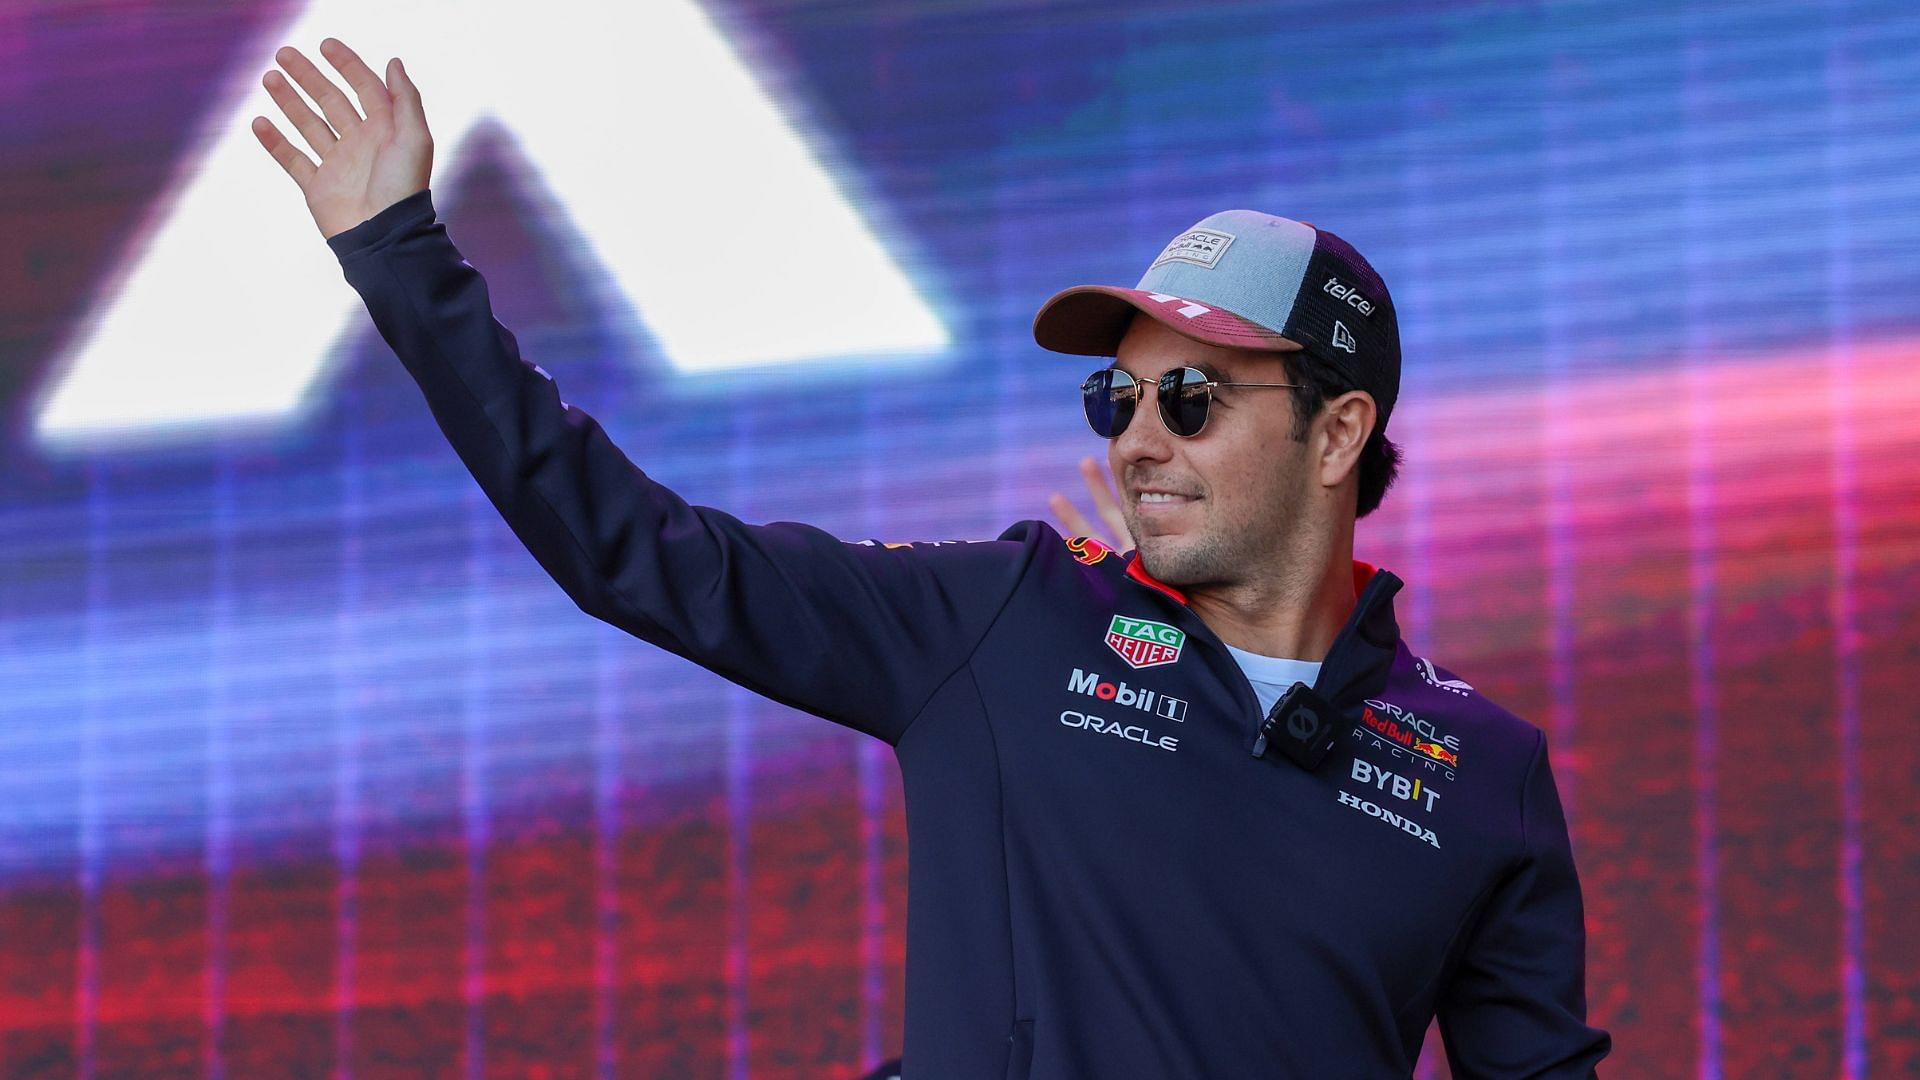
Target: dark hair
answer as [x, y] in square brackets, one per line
[1379, 457]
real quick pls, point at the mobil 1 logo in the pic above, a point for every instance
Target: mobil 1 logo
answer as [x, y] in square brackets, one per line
[1138, 697]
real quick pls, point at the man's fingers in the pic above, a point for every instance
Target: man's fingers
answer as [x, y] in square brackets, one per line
[374, 99]
[284, 152]
[1105, 503]
[407, 110]
[338, 110]
[304, 120]
[1070, 516]
[1103, 498]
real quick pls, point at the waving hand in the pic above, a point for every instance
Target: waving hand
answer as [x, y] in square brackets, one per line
[367, 163]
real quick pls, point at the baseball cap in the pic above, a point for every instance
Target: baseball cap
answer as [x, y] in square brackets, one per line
[1247, 280]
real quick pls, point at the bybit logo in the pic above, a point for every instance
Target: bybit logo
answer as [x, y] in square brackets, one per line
[1413, 791]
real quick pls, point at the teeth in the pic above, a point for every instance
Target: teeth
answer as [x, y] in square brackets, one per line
[1154, 496]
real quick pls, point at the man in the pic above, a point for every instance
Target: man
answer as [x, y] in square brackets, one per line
[1193, 813]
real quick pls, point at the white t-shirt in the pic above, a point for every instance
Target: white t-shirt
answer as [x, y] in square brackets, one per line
[1272, 676]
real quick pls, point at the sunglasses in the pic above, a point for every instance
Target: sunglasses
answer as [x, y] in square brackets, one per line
[1185, 397]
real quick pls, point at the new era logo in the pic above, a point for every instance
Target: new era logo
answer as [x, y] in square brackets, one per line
[1342, 337]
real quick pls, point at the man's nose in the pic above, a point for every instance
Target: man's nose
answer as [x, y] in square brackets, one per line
[1146, 437]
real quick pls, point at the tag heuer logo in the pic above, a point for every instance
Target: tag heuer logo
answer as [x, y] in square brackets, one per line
[1143, 642]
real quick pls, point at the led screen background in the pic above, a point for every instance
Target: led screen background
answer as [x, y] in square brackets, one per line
[309, 769]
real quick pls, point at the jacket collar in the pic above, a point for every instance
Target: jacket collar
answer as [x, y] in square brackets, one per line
[1357, 665]
[1362, 572]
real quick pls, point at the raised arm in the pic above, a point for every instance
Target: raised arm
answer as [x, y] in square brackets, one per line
[862, 634]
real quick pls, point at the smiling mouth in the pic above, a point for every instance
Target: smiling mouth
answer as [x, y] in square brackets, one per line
[1154, 498]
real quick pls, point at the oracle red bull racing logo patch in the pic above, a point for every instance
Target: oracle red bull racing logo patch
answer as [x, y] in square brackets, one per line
[1143, 643]
[1403, 732]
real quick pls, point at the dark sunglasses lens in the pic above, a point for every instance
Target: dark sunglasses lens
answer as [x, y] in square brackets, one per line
[1108, 396]
[1184, 396]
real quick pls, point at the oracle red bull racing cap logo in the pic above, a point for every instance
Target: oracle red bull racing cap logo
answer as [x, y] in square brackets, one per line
[1143, 643]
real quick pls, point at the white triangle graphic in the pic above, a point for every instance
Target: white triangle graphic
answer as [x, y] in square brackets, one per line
[688, 185]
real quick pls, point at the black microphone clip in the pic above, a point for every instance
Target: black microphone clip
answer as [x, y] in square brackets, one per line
[1302, 724]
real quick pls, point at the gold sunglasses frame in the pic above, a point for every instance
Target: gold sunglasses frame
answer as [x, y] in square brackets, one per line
[1138, 390]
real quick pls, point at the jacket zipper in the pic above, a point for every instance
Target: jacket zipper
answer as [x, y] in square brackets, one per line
[1243, 687]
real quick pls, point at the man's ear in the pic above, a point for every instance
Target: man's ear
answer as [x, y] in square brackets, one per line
[1345, 423]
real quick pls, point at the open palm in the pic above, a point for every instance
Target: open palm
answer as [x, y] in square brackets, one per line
[367, 163]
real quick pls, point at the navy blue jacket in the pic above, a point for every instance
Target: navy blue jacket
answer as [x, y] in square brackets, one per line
[1106, 882]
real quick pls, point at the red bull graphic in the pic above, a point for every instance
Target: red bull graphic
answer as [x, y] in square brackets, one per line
[1088, 550]
[1437, 752]
[1403, 729]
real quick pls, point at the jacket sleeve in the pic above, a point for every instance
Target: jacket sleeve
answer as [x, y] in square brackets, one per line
[858, 633]
[1517, 1004]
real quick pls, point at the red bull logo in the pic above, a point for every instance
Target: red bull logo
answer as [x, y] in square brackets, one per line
[1403, 729]
[1087, 550]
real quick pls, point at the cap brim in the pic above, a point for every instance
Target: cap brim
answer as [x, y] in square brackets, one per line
[1090, 320]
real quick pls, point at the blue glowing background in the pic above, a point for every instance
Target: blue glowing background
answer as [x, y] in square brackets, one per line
[306, 761]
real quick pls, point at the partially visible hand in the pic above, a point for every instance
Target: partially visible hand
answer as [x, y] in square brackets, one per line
[366, 163]
[1105, 504]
